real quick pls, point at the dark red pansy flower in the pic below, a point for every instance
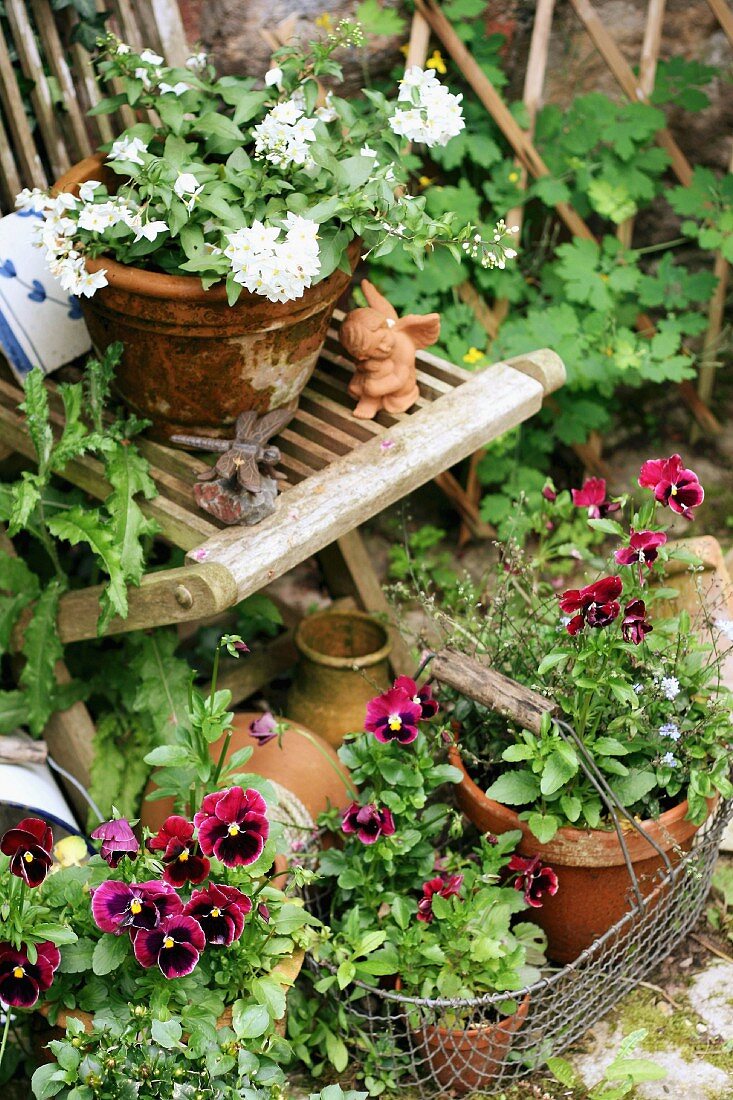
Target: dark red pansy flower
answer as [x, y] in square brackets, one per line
[596, 604]
[220, 910]
[643, 549]
[549, 493]
[264, 912]
[21, 981]
[120, 906]
[593, 497]
[393, 716]
[534, 879]
[672, 484]
[29, 846]
[263, 729]
[634, 625]
[182, 859]
[174, 946]
[446, 886]
[118, 841]
[422, 696]
[233, 826]
[367, 822]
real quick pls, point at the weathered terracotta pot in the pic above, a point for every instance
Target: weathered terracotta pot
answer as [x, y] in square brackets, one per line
[594, 886]
[191, 362]
[314, 775]
[467, 1060]
[342, 665]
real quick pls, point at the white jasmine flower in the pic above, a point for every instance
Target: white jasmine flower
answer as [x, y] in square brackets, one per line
[435, 114]
[510, 253]
[638, 688]
[274, 77]
[87, 189]
[670, 759]
[177, 89]
[328, 112]
[725, 626]
[150, 58]
[128, 149]
[146, 76]
[418, 79]
[367, 151]
[197, 62]
[283, 135]
[150, 230]
[32, 198]
[63, 202]
[277, 267]
[122, 48]
[669, 729]
[90, 282]
[670, 687]
[187, 187]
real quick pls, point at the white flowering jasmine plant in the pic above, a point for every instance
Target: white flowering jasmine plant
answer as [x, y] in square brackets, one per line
[265, 187]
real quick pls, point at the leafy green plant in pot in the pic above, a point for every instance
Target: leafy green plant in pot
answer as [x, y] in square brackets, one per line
[637, 668]
[215, 238]
[411, 913]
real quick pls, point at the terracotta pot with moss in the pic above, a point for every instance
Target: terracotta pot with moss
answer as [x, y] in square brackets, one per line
[191, 362]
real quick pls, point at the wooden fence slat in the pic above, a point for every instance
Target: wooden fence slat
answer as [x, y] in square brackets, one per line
[724, 15]
[10, 183]
[26, 153]
[54, 53]
[44, 108]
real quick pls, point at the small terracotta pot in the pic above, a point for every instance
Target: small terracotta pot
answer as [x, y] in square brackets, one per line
[342, 665]
[191, 362]
[312, 773]
[595, 890]
[466, 1060]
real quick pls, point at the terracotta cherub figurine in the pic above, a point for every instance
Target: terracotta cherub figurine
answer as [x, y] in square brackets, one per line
[383, 347]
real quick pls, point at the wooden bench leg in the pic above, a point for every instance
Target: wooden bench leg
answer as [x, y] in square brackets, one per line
[348, 571]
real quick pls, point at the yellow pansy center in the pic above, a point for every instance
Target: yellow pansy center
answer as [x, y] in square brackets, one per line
[395, 722]
[674, 490]
[233, 830]
[19, 972]
[184, 855]
[28, 857]
[135, 906]
[215, 912]
[168, 942]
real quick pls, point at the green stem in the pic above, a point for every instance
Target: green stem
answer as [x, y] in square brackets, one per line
[6, 1029]
[222, 758]
[347, 784]
[47, 542]
[214, 674]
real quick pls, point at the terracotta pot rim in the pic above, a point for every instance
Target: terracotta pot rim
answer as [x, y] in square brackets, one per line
[506, 1023]
[566, 833]
[366, 661]
[158, 284]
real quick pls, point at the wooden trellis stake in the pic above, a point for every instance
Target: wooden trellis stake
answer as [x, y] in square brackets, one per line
[724, 16]
[531, 159]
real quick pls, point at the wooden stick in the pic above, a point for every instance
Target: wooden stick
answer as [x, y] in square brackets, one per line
[724, 16]
[716, 310]
[647, 75]
[419, 43]
[624, 77]
[21, 750]
[472, 678]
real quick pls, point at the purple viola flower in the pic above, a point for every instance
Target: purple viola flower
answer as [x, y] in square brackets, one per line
[596, 604]
[264, 912]
[447, 886]
[220, 910]
[393, 716]
[120, 906]
[593, 497]
[21, 981]
[175, 946]
[367, 822]
[118, 840]
[634, 625]
[182, 859]
[422, 696]
[643, 549]
[533, 879]
[673, 485]
[263, 729]
[233, 826]
[29, 846]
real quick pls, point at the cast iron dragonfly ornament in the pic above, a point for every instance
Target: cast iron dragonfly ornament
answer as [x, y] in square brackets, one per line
[242, 485]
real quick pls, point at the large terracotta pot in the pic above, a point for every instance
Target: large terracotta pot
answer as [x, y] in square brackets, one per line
[594, 886]
[342, 665]
[191, 362]
[311, 773]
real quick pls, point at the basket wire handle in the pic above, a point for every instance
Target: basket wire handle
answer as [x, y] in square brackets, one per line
[484, 685]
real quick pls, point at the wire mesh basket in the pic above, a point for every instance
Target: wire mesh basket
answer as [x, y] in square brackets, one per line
[455, 1047]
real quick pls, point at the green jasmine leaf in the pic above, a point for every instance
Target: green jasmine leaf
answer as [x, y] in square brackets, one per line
[515, 788]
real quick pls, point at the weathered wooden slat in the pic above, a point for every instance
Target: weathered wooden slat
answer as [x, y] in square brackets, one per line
[22, 750]
[328, 435]
[26, 154]
[161, 22]
[331, 412]
[477, 681]
[86, 83]
[354, 487]
[41, 98]
[54, 53]
[170, 596]
[10, 183]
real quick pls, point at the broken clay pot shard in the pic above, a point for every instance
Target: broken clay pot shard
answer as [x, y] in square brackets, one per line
[383, 348]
